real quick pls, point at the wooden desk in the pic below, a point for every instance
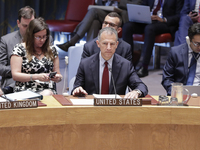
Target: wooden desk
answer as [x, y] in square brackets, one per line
[57, 127]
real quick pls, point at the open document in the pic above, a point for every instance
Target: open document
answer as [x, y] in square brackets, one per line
[106, 8]
[106, 96]
[23, 95]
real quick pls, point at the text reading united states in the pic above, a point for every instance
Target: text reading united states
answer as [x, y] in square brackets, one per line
[117, 102]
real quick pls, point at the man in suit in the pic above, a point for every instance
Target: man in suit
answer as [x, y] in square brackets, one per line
[187, 19]
[165, 18]
[90, 75]
[92, 21]
[182, 59]
[114, 21]
[7, 43]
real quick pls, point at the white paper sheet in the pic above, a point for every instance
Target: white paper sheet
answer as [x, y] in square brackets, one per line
[22, 95]
[106, 96]
[2, 99]
[81, 102]
[107, 8]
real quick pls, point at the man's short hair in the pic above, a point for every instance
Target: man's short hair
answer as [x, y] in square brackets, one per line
[26, 12]
[108, 30]
[114, 14]
[194, 30]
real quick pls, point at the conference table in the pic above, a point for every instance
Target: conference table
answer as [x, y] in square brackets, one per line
[57, 127]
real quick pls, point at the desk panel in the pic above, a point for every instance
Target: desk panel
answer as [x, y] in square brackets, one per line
[100, 128]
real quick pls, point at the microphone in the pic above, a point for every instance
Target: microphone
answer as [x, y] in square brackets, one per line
[113, 82]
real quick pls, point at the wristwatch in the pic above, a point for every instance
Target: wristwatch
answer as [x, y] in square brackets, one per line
[164, 19]
[138, 91]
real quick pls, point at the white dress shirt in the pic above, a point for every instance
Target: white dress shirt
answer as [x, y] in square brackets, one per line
[197, 74]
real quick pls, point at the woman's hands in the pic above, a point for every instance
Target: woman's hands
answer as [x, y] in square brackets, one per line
[44, 77]
[57, 78]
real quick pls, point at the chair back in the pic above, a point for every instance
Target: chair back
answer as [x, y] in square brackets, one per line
[74, 54]
[77, 9]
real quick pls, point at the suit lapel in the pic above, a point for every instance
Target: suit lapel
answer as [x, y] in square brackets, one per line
[94, 68]
[116, 67]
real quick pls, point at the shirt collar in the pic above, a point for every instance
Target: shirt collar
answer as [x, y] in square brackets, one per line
[103, 60]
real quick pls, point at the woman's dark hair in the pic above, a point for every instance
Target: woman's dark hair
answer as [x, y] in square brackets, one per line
[37, 25]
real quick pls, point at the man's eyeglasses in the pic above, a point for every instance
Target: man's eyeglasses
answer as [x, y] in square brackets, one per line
[110, 24]
[196, 44]
[40, 38]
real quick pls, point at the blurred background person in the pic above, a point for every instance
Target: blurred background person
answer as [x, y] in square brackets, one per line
[114, 21]
[189, 16]
[33, 60]
[165, 19]
[7, 43]
[183, 62]
[91, 23]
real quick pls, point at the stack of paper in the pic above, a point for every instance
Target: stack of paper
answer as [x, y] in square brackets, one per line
[106, 96]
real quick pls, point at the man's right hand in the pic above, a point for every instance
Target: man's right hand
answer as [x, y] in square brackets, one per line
[79, 91]
[193, 17]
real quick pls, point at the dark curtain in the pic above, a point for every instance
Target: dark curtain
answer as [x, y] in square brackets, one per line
[48, 9]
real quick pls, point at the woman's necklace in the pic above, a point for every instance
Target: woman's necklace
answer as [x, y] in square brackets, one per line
[38, 55]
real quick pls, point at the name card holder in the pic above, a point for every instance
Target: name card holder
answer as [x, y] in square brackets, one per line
[117, 102]
[19, 104]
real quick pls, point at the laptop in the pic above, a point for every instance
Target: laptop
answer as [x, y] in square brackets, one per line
[139, 13]
[192, 89]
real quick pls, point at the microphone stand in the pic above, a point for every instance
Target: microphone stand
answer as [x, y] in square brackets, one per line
[113, 82]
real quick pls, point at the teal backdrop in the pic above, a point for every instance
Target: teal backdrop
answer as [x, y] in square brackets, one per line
[48, 9]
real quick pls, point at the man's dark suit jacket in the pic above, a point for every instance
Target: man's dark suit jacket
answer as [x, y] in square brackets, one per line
[176, 67]
[123, 73]
[7, 44]
[123, 49]
[171, 10]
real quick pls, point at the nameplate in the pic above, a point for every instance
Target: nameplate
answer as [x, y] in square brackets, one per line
[117, 102]
[19, 104]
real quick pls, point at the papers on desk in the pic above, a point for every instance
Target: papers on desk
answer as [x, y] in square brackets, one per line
[106, 96]
[90, 102]
[81, 102]
[23, 95]
[2, 99]
[106, 8]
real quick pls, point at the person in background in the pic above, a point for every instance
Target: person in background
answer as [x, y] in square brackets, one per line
[189, 16]
[165, 18]
[33, 61]
[183, 62]
[114, 21]
[7, 43]
[93, 20]
[94, 75]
